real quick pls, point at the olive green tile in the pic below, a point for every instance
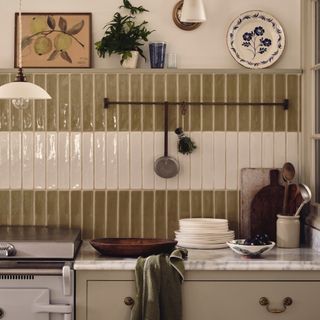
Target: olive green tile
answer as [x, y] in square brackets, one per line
[232, 84]
[52, 113]
[16, 208]
[76, 201]
[112, 209]
[99, 95]
[184, 90]
[219, 96]
[280, 93]
[172, 213]
[124, 218]
[5, 106]
[232, 210]
[196, 204]
[195, 96]
[293, 96]
[27, 114]
[40, 208]
[208, 204]
[52, 208]
[87, 217]
[135, 83]
[5, 208]
[147, 95]
[64, 103]
[112, 114]
[171, 90]
[40, 105]
[161, 216]
[99, 214]
[268, 111]
[64, 208]
[244, 111]
[28, 219]
[255, 85]
[159, 95]
[148, 214]
[75, 87]
[87, 97]
[220, 205]
[123, 96]
[136, 214]
[207, 96]
[184, 205]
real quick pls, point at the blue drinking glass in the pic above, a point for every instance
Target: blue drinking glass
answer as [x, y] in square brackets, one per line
[157, 54]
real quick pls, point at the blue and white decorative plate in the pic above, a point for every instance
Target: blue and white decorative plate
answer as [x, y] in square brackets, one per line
[255, 39]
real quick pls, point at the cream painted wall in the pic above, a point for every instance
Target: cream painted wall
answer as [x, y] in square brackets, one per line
[202, 48]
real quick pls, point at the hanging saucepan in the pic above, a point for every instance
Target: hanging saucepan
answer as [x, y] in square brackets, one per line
[166, 167]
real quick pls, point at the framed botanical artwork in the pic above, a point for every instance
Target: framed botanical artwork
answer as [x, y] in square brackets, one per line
[55, 40]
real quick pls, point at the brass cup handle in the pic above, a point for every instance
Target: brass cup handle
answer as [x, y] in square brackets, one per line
[128, 301]
[285, 303]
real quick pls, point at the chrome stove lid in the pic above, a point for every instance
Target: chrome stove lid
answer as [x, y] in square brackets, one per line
[38, 242]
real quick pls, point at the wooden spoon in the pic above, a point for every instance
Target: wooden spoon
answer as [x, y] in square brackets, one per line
[288, 173]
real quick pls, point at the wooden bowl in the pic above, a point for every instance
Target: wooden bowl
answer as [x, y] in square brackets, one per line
[132, 247]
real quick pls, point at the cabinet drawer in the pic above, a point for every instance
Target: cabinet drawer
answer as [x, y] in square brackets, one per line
[240, 300]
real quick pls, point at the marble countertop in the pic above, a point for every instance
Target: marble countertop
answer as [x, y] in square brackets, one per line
[211, 260]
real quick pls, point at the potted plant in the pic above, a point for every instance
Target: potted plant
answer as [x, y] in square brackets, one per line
[124, 36]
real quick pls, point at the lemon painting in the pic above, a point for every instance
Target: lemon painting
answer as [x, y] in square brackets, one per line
[55, 40]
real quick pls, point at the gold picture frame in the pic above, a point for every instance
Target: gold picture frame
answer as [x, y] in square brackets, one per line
[55, 40]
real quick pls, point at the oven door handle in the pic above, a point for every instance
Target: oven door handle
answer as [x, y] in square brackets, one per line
[64, 309]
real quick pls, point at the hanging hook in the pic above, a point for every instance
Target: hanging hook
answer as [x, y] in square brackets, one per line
[184, 108]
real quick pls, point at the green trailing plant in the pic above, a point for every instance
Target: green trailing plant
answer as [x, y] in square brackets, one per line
[123, 34]
[185, 144]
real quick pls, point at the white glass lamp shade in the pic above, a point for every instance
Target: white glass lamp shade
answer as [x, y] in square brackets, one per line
[193, 11]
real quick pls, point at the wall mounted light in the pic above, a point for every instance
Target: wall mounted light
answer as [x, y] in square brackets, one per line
[20, 92]
[193, 11]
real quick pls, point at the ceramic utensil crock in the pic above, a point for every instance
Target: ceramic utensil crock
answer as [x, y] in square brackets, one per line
[288, 231]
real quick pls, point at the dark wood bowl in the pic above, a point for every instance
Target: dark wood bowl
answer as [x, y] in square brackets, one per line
[132, 247]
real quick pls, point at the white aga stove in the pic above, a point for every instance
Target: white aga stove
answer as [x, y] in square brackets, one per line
[36, 273]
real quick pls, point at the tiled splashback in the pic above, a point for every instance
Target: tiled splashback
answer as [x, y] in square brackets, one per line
[69, 162]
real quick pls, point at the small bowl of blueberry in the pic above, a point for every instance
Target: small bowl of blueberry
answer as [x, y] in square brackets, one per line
[253, 247]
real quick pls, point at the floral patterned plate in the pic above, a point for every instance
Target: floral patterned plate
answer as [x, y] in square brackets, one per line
[256, 39]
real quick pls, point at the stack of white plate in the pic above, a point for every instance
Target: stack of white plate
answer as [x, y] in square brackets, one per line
[200, 233]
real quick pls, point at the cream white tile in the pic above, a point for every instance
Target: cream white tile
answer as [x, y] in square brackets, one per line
[75, 160]
[255, 150]
[40, 160]
[5, 160]
[100, 160]
[279, 149]
[243, 151]
[112, 160]
[87, 160]
[148, 174]
[231, 160]
[160, 183]
[219, 149]
[124, 158]
[27, 160]
[52, 160]
[135, 160]
[207, 160]
[293, 150]
[63, 160]
[172, 184]
[195, 162]
[15, 160]
[267, 150]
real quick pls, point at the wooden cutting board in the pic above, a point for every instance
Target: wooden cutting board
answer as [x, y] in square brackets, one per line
[265, 206]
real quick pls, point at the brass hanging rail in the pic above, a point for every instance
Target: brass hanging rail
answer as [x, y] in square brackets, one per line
[284, 103]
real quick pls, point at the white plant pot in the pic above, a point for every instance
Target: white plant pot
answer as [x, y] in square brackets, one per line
[131, 63]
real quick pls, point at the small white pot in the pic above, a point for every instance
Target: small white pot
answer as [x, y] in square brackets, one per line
[131, 63]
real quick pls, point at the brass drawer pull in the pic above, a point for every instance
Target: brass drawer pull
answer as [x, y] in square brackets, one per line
[285, 303]
[128, 301]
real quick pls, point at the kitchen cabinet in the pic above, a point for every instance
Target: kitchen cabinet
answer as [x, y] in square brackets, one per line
[207, 295]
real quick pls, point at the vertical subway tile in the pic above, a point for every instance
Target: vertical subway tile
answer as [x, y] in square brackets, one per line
[293, 96]
[112, 160]
[220, 205]
[232, 84]
[52, 116]
[16, 115]
[171, 91]
[99, 213]
[87, 97]
[124, 219]
[147, 90]
[195, 96]
[147, 160]
[40, 208]
[280, 94]
[255, 150]
[5, 106]
[123, 96]
[292, 149]
[28, 207]
[279, 149]
[52, 208]
[75, 107]
[219, 96]
[63, 160]
[15, 160]
[5, 207]
[255, 86]
[135, 160]
[87, 217]
[160, 214]
[5, 160]
[124, 159]
[232, 210]
[52, 160]
[196, 161]
[100, 160]
[76, 201]
[196, 204]
[184, 205]
[40, 105]
[159, 95]
[64, 103]
[148, 214]
[112, 115]
[64, 208]
[231, 160]
[136, 210]
[27, 160]
[172, 184]
[135, 86]
[268, 111]
[27, 114]
[99, 95]
[185, 170]
[172, 213]
[40, 160]
[87, 161]
[207, 165]
[207, 96]
[75, 160]
[244, 97]
[208, 204]
[184, 90]
[16, 207]
[219, 151]
[112, 209]
[159, 183]
[267, 150]
[243, 151]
